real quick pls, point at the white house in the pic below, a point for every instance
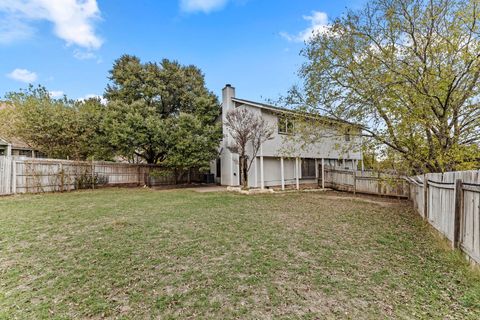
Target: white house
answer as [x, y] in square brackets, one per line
[284, 160]
[13, 147]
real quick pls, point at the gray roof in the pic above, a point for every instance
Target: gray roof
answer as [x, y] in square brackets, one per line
[286, 110]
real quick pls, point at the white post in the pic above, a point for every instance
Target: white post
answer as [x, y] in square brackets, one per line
[323, 173]
[9, 150]
[256, 173]
[282, 172]
[343, 163]
[363, 166]
[297, 173]
[262, 177]
[316, 169]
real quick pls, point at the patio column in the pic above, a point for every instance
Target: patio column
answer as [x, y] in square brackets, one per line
[256, 173]
[316, 168]
[9, 150]
[323, 173]
[363, 166]
[297, 173]
[282, 173]
[262, 177]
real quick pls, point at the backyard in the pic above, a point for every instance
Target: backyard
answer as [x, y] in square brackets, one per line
[141, 253]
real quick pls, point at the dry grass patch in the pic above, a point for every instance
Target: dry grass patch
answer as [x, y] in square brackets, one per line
[180, 254]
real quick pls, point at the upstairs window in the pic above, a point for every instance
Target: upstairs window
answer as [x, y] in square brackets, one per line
[285, 125]
[347, 136]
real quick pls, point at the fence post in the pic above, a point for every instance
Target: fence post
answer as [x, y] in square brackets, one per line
[14, 176]
[62, 178]
[139, 169]
[457, 218]
[354, 182]
[93, 175]
[379, 184]
[425, 196]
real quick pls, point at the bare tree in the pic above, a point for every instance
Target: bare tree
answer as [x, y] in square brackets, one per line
[247, 129]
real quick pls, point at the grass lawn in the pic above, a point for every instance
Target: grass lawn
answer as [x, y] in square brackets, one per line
[138, 253]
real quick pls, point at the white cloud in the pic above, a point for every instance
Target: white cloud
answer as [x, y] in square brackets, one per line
[318, 25]
[95, 96]
[73, 20]
[12, 30]
[205, 6]
[56, 94]
[84, 55]
[23, 75]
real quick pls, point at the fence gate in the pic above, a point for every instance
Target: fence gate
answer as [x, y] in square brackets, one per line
[5, 175]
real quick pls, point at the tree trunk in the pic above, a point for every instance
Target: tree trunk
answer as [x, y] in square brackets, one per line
[243, 172]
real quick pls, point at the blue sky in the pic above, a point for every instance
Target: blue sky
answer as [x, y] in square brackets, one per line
[70, 45]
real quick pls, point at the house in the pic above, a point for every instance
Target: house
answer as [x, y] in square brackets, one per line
[285, 160]
[17, 148]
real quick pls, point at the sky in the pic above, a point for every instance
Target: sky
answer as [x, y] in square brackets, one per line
[69, 46]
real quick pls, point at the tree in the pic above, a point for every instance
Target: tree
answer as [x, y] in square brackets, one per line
[59, 128]
[247, 131]
[192, 143]
[136, 131]
[143, 100]
[408, 72]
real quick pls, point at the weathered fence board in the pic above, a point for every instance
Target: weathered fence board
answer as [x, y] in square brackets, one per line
[5, 175]
[442, 205]
[52, 175]
[367, 182]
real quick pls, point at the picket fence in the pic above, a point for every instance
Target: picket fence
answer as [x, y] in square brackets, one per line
[53, 175]
[450, 202]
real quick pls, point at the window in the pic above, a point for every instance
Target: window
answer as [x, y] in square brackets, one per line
[3, 152]
[285, 125]
[25, 153]
[308, 168]
[347, 136]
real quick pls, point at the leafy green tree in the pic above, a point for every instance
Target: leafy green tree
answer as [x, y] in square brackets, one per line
[145, 103]
[136, 131]
[59, 128]
[192, 142]
[91, 133]
[408, 72]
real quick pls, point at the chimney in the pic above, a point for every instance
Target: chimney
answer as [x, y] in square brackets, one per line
[227, 94]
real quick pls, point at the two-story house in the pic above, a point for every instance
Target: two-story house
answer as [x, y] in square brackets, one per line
[284, 160]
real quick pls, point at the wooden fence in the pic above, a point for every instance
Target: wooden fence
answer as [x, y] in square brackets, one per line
[366, 182]
[450, 202]
[52, 175]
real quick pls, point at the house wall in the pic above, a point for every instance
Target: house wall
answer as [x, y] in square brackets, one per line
[330, 145]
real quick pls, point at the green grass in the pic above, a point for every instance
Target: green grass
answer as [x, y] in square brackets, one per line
[138, 253]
